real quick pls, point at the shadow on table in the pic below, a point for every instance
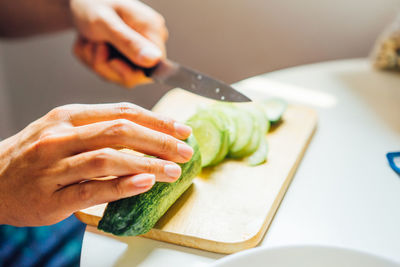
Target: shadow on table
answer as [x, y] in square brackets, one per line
[380, 90]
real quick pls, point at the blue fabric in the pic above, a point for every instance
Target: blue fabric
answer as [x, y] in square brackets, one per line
[56, 245]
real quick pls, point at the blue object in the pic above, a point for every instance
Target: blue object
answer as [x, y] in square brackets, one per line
[394, 161]
[57, 245]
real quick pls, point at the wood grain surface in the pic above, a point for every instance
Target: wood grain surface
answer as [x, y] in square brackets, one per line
[229, 207]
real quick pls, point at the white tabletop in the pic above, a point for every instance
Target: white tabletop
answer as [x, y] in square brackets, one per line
[344, 192]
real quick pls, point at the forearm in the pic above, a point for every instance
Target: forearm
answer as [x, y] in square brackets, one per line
[20, 18]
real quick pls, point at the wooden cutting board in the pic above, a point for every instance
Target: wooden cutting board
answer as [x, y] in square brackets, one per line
[229, 207]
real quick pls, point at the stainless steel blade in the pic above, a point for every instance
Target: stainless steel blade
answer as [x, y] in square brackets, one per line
[176, 75]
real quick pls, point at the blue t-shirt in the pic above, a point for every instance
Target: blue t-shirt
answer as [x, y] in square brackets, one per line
[56, 245]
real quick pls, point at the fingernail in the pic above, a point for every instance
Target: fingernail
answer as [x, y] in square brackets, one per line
[150, 53]
[144, 180]
[173, 171]
[185, 151]
[182, 129]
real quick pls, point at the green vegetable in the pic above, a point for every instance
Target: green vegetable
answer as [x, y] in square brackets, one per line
[211, 134]
[244, 123]
[274, 109]
[227, 112]
[138, 214]
[260, 155]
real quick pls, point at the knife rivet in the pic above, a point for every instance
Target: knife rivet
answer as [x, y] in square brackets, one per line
[199, 77]
[217, 90]
[222, 97]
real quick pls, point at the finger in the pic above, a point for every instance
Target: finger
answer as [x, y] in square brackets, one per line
[123, 133]
[159, 41]
[101, 53]
[87, 194]
[132, 44]
[145, 21]
[85, 51]
[101, 65]
[110, 162]
[130, 77]
[106, 72]
[88, 53]
[78, 48]
[86, 114]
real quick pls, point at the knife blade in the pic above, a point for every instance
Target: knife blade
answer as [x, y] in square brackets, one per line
[173, 74]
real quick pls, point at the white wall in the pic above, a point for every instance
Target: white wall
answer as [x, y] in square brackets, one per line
[231, 39]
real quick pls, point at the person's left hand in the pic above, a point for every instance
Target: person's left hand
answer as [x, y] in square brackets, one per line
[132, 27]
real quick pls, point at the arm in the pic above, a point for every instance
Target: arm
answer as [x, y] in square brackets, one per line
[19, 18]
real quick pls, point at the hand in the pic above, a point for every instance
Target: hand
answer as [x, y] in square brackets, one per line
[133, 28]
[52, 168]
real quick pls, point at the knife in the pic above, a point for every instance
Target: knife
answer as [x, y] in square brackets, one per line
[173, 74]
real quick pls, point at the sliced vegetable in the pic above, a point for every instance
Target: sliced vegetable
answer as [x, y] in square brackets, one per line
[223, 125]
[209, 133]
[228, 112]
[274, 109]
[260, 155]
[244, 123]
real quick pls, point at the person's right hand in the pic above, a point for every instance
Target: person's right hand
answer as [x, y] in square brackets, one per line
[51, 168]
[133, 28]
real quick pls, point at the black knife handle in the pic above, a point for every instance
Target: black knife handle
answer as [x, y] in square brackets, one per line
[114, 53]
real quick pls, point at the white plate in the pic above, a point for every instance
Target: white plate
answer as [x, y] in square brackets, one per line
[303, 256]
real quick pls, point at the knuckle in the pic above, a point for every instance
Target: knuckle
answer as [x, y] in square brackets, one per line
[165, 144]
[123, 40]
[61, 112]
[120, 127]
[117, 188]
[149, 166]
[158, 21]
[163, 123]
[101, 159]
[126, 109]
[84, 192]
[97, 20]
[45, 140]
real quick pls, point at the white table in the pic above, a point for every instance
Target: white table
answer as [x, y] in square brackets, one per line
[343, 194]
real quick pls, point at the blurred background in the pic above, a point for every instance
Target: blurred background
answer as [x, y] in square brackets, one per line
[229, 39]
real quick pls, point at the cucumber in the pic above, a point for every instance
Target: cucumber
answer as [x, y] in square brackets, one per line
[222, 123]
[244, 123]
[210, 134]
[138, 214]
[224, 142]
[228, 113]
[274, 109]
[260, 127]
[260, 155]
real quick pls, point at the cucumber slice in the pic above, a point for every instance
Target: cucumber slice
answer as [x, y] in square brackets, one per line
[227, 112]
[222, 152]
[274, 109]
[223, 124]
[260, 127]
[208, 135]
[260, 155]
[212, 151]
[244, 123]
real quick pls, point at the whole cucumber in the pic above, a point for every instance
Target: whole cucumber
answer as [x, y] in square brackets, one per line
[138, 214]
